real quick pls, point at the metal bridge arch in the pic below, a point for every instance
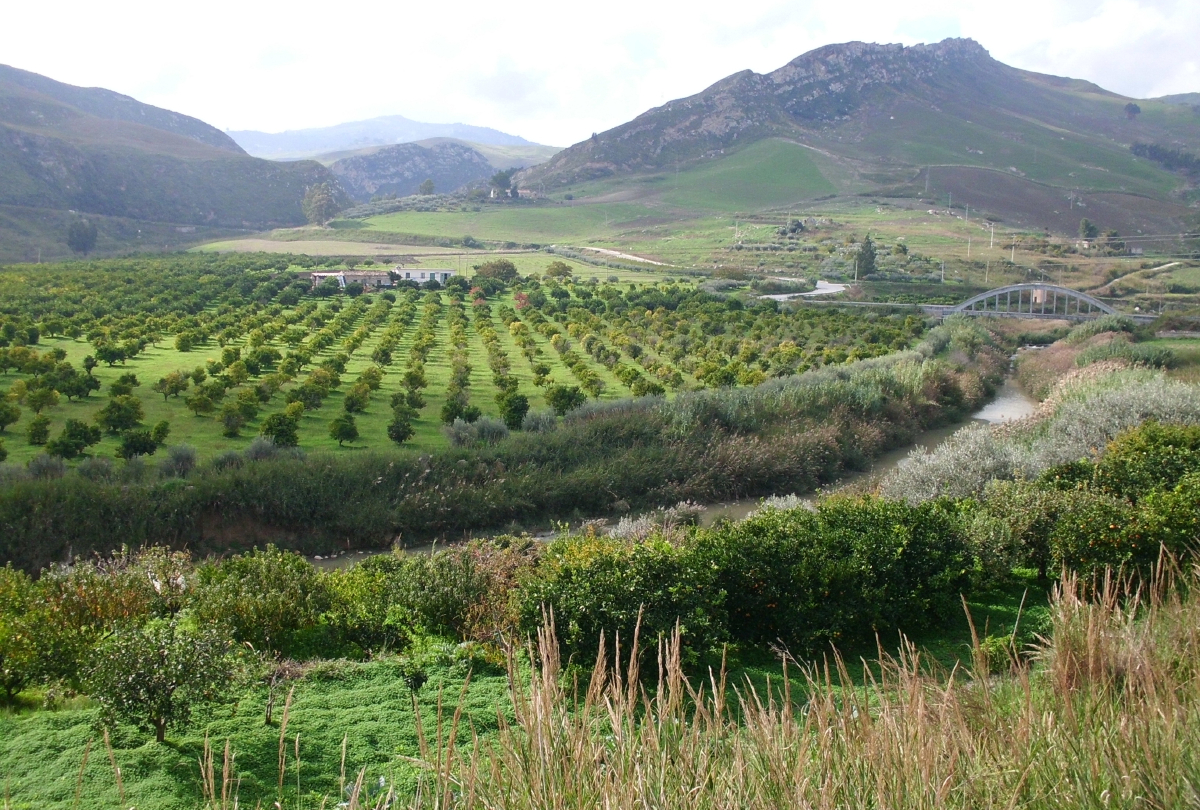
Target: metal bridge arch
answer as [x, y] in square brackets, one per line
[1034, 301]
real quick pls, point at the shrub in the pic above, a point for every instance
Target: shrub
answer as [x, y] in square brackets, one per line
[180, 461]
[852, 567]
[261, 449]
[489, 430]
[45, 467]
[1105, 323]
[229, 460]
[363, 609]
[598, 586]
[20, 656]
[97, 469]
[1153, 356]
[1167, 518]
[459, 433]
[1149, 457]
[267, 598]
[539, 422]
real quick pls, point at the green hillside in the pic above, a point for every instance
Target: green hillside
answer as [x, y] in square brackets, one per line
[875, 118]
[767, 174]
[98, 153]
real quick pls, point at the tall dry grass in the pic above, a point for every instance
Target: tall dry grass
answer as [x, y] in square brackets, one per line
[1104, 713]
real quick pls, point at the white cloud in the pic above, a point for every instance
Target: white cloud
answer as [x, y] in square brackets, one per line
[551, 72]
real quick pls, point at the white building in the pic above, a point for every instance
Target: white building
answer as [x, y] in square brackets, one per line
[369, 279]
[438, 274]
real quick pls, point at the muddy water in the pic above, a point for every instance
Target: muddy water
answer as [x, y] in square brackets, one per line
[1009, 404]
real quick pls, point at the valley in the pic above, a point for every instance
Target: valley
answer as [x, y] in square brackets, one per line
[401, 464]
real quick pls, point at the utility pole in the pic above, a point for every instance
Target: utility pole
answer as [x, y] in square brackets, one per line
[968, 248]
[1013, 259]
[986, 268]
[992, 242]
[943, 271]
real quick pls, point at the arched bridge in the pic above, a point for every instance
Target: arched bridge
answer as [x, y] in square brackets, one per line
[1033, 301]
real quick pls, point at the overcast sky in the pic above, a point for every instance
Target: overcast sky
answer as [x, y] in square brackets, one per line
[552, 72]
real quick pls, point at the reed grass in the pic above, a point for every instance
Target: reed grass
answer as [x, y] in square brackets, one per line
[1104, 712]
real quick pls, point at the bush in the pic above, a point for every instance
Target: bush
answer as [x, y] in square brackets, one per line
[489, 430]
[841, 573]
[229, 460]
[600, 586]
[1105, 323]
[1149, 457]
[459, 433]
[180, 461]
[20, 654]
[46, 467]
[1153, 356]
[539, 422]
[267, 598]
[97, 470]
[261, 449]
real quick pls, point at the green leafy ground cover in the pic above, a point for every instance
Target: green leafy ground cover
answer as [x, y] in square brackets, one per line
[367, 705]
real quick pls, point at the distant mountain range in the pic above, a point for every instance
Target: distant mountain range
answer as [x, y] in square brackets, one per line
[888, 120]
[96, 152]
[382, 131]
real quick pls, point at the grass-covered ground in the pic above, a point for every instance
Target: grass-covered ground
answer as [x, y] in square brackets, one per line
[366, 705]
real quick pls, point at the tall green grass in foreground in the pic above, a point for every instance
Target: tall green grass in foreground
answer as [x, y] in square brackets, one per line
[1103, 712]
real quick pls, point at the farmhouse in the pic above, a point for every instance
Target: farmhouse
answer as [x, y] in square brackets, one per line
[368, 279]
[421, 276]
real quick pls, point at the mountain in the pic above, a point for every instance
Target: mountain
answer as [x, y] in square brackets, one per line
[383, 131]
[1189, 99]
[35, 105]
[500, 157]
[926, 120]
[400, 169]
[90, 150]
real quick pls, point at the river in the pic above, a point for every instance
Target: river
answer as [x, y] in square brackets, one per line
[1009, 404]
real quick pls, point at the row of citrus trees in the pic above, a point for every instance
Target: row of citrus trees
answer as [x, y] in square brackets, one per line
[790, 434]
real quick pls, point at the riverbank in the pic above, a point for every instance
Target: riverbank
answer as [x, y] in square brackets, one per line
[1009, 404]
